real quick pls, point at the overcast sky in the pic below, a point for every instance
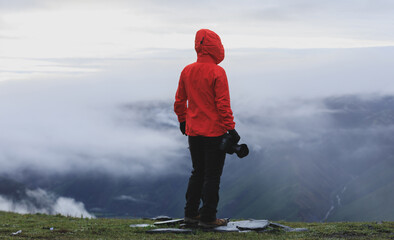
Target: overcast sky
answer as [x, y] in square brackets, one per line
[45, 28]
[36, 29]
[68, 67]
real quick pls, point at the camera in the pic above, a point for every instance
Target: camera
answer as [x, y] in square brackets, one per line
[230, 146]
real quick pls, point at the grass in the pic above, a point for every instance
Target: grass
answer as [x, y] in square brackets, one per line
[37, 226]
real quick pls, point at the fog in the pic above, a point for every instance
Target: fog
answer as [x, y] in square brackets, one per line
[119, 119]
[41, 201]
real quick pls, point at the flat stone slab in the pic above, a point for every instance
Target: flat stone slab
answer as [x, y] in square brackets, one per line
[287, 228]
[254, 225]
[231, 227]
[241, 226]
[161, 218]
[170, 230]
[169, 222]
[235, 226]
[141, 225]
[228, 228]
[278, 225]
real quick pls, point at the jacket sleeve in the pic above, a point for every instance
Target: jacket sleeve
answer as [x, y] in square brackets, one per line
[180, 105]
[222, 100]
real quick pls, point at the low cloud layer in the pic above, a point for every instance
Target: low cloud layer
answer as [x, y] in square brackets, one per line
[41, 201]
[120, 120]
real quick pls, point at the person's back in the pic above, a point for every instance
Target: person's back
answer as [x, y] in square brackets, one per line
[204, 85]
[202, 104]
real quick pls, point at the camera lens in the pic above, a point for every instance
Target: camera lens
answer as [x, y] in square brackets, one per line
[242, 150]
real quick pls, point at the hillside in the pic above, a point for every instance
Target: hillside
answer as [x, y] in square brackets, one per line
[40, 226]
[372, 192]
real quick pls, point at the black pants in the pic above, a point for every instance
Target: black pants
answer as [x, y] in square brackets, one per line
[208, 161]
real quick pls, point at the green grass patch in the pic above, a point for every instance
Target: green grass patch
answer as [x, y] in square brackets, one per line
[37, 226]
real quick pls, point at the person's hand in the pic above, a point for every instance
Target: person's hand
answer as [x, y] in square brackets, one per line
[182, 127]
[234, 135]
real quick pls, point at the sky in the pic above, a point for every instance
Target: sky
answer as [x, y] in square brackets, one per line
[45, 29]
[43, 38]
[77, 77]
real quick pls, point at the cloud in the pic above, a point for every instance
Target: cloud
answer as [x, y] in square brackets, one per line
[41, 201]
[22, 68]
[132, 199]
[259, 74]
[128, 26]
[20, 5]
[127, 198]
[120, 120]
[82, 125]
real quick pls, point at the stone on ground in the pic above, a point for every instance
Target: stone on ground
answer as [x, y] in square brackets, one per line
[169, 222]
[161, 218]
[141, 225]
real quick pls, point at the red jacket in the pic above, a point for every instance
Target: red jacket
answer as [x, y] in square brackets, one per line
[202, 98]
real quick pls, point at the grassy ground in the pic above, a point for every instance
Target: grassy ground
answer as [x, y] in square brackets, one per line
[38, 226]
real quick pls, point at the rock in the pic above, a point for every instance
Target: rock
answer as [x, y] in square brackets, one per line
[236, 226]
[278, 225]
[161, 218]
[169, 222]
[241, 226]
[170, 230]
[287, 228]
[229, 228]
[254, 225]
[223, 229]
[141, 225]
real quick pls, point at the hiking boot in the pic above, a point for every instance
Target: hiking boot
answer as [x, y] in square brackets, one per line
[192, 220]
[217, 223]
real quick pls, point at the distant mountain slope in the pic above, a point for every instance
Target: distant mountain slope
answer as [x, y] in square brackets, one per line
[106, 195]
[303, 179]
[368, 197]
[12, 189]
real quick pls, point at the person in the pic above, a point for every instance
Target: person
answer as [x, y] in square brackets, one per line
[202, 105]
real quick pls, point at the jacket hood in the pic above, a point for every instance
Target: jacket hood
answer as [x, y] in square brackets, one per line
[208, 43]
